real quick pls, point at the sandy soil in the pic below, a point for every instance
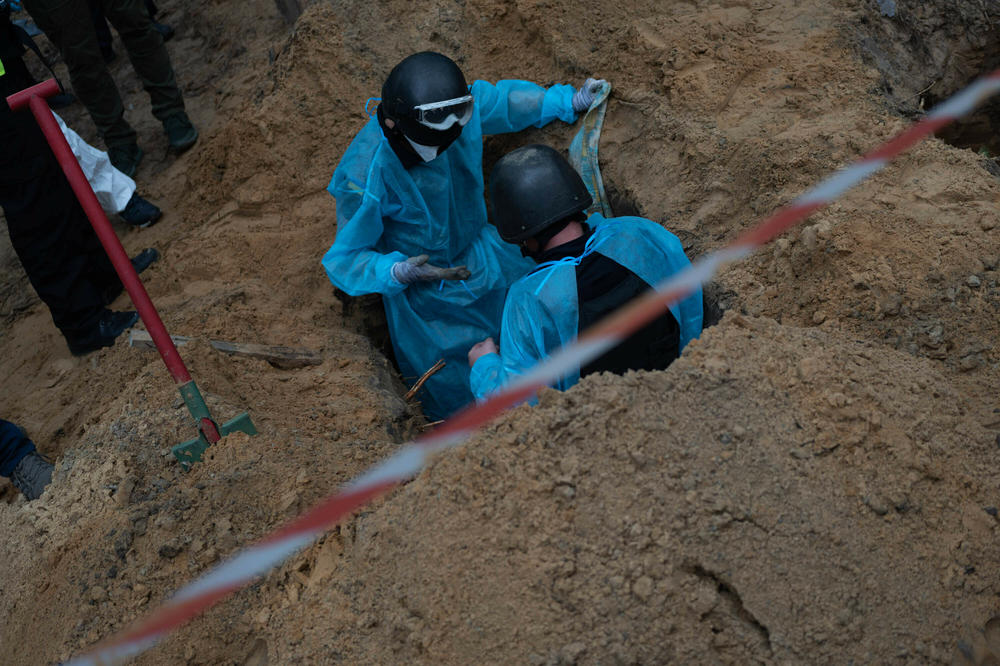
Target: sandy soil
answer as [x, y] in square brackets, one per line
[813, 481]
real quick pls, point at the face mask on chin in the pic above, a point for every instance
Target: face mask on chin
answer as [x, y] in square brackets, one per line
[426, 153]
[430, 144]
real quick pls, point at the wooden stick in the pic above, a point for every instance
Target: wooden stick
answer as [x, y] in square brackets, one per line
[423, 378]
[276, 355]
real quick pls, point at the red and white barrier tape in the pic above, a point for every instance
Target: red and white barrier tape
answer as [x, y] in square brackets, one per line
[410, 459]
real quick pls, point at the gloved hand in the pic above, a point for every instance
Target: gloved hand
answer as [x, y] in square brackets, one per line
[416, 269]
[481, 349]
[584, 97]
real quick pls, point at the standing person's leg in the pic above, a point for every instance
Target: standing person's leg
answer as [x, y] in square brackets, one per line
[56, 245]
[103, 31]
[49, 235]
[67, 267]
[166, 31]
[20, 462]
[115, 191]
[69, 25]
[152, 63]
[148, 54]
[112, 187]
[14, 445]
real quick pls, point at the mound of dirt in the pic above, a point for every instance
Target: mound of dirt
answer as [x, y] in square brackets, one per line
[833, 503]
[811, 481]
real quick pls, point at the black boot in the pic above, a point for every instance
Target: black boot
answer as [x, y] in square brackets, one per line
[181, 134]
[109, 327]
[139, 212]
[140, 262]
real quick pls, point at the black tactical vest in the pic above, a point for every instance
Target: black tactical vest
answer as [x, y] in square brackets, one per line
[602, 286]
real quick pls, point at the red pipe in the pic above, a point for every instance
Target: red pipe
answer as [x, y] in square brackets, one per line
[34, 97]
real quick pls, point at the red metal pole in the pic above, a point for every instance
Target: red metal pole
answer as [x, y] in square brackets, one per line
[34, 97]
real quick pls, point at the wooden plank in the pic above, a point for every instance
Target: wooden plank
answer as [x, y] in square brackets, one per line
[277, 355]
[143, 340]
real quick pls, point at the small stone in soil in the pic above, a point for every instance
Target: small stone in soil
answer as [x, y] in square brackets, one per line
[171, 549]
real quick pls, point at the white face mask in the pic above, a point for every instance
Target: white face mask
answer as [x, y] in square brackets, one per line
[427, 153]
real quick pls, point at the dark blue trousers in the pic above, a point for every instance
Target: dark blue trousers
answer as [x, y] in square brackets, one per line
[14, 445]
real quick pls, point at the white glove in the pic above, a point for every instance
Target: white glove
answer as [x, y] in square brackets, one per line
[416, 269]
[584, 97]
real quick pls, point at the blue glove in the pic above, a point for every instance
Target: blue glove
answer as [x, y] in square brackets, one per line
[15, 5]
[584, 97]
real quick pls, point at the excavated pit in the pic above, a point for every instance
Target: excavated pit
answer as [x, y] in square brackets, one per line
[812, 481]
[930, 51]
[980, 131]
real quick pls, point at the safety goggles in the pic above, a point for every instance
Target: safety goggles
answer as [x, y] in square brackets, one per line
[443, 115]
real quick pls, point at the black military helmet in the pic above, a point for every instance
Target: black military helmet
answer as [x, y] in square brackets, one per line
[427, 97]
[532, 188]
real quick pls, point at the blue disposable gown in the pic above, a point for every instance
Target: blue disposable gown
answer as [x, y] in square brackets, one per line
[542, 310]
[386, 213]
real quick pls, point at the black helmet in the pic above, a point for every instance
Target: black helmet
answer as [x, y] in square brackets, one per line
[427, 97]
[532, 188]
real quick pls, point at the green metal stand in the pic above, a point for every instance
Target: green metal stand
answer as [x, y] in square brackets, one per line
[208, 432]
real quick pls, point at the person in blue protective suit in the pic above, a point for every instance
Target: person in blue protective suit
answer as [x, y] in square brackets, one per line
[411, 213]
[587, 268]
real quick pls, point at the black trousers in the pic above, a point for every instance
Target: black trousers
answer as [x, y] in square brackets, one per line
[14, 445]
[69, 25]
[101, 23]
[52, 236]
